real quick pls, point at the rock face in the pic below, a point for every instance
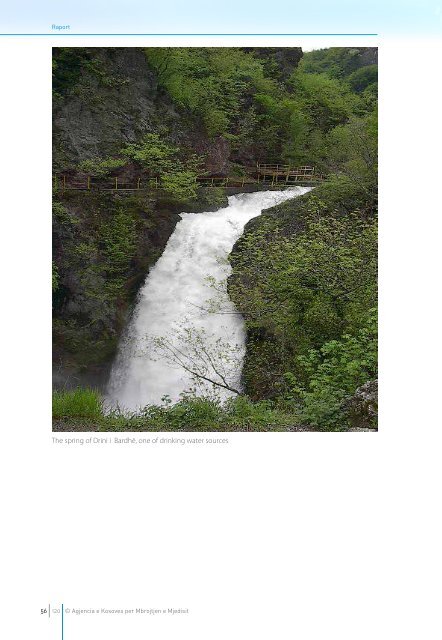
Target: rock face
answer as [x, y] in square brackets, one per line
[368, 55]
[98, 117]
[116, 100]
[362, 408]
[103, 246]
[105, 98]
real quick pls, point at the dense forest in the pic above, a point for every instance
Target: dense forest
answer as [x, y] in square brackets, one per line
[304, 273]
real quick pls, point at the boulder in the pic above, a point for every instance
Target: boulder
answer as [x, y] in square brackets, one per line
[362, 407]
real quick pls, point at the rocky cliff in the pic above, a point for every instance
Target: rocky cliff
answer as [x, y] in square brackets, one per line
[112, 97]
[104, 242]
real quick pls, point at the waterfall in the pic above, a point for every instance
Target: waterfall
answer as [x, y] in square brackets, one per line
[184, 321]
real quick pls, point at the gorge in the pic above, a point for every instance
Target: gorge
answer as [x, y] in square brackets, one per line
[250, 307]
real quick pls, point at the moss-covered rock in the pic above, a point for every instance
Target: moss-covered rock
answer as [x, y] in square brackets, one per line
[304, 278]
[104, 244]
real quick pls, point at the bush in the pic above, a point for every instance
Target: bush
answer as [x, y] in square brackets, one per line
[178, 177]
[202, 414]
[152, 153]
[180, 185]
[257, 416]
[333, 374]
[101, 167]
[363, 77]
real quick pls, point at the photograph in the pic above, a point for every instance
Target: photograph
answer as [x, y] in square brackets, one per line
[214, 253]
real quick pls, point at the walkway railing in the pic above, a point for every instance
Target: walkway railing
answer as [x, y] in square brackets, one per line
[273, 174]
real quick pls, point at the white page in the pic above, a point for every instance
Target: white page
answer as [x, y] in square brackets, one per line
[149, 534]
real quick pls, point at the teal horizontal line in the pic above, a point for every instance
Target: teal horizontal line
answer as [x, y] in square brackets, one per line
[186, 34]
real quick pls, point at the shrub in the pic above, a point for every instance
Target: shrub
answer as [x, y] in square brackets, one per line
[363, 77]
[333, 374]
[101, 167]
[152, 153]
[180, 185]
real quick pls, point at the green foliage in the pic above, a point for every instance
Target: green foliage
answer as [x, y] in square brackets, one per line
[331, 374]
[152, 153]
[55, 277]
[234, 93]
[352, 151]
[336, 62]
[79, 403]
[70, 64]
[212, 198]
[67, 66]
[240, 94]
[308, 283]
[64, 230]
[181, 185]
[178, 176]
[81, 406]
[117, 243]
[363, 77]
[237, 414]
[331, 87]
[61, 216]
[304, 276]
[327, 101]
[282, 125]
[215, 84]
[96, 243]
[259, 416]
[305, 279]
[101, 167]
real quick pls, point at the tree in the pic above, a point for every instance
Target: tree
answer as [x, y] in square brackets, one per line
[352, 151]
[152, 153]
[209, 360]
[157, 157]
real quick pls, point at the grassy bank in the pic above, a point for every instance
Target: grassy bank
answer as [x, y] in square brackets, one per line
[82, 410]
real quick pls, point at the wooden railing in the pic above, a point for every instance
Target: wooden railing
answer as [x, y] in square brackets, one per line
[273, 174]
[284, 169]
[87, 183]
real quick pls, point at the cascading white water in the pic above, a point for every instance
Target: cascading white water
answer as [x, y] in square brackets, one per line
[173, 315]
